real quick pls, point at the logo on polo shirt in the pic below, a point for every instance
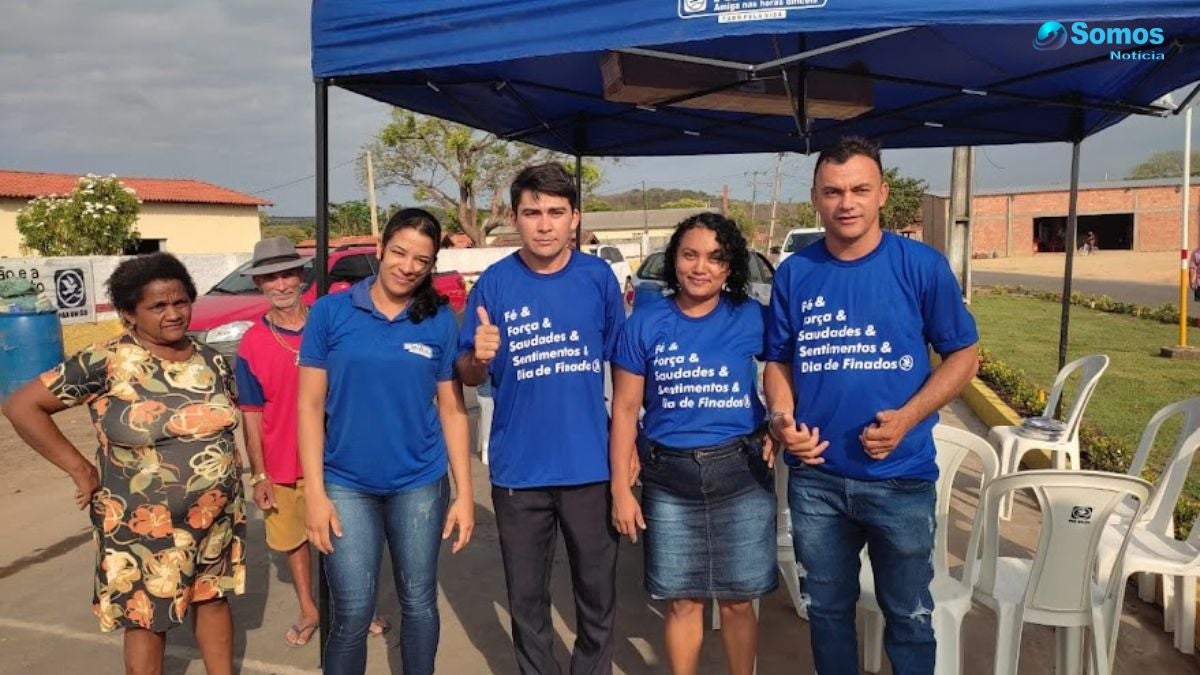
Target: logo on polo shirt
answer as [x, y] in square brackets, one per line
[419, 349]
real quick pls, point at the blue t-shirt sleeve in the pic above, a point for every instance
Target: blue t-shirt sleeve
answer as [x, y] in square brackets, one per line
[314, 346]
[778, 336]
[630, 354]
[448, 344]
[949, 327]
[614, 314]
[250, 391]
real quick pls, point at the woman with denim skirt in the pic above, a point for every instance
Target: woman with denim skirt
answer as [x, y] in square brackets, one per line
[708, 503]
[381, 416]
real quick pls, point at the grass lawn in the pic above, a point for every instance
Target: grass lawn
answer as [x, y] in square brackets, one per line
[1023, 333]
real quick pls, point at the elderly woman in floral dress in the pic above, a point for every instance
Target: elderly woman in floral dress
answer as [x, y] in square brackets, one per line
[165, 493]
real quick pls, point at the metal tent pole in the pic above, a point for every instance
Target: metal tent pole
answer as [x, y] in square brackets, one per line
[1072, 220]
[320, 267]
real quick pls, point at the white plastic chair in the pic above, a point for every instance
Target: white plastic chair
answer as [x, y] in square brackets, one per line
[1058, 586]
[951, 596]
[1153, 549]
[785, 552]
[1046, 431]
[484, 429]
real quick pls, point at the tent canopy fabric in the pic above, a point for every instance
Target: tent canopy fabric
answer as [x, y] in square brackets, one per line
[940, 74]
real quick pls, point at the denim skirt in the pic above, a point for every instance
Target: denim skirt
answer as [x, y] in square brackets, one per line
[710, 521]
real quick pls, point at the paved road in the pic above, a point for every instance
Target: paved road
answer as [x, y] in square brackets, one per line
[1125, 291]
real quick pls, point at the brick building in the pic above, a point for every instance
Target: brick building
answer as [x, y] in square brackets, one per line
[1137, 215]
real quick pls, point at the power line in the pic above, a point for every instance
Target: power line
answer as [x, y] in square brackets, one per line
[300, 180]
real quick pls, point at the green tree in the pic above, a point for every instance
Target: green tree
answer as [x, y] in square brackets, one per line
[98, 218]
[903, 206]
[353, 218]
[685, 203]
[1167, 164]
[658, 198]
[458, 168]
[294, 233]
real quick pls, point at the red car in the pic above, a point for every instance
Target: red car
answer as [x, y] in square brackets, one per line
[221, 316]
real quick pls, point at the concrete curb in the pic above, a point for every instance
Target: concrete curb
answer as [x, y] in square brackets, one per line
[988, 407]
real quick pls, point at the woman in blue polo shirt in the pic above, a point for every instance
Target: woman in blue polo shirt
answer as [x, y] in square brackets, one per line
[381, 415]
[708, 504]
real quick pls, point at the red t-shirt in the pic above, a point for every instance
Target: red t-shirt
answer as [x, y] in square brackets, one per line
[268, 380]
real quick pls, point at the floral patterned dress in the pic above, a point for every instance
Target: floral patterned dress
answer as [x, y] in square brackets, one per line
[169, 520]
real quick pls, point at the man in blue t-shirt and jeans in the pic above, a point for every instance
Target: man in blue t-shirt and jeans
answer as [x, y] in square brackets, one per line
[853, 401]
[539, 326]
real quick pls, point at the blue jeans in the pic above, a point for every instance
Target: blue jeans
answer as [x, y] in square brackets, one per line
[412, 522]
[832, 518]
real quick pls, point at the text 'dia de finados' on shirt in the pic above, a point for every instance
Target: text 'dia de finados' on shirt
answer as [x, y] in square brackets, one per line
[829, 341]
[537, 348]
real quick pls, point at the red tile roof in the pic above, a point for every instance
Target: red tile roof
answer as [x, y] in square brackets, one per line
[30, 184]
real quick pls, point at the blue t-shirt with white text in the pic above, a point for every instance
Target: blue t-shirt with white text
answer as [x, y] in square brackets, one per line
[382, 429]
[700, 372]
[549, 425]
[856, 334]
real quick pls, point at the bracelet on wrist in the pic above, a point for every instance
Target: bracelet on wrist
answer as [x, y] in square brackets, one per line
[257, 478]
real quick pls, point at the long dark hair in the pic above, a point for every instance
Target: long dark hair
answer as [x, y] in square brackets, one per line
[425, 300]
[733, 250]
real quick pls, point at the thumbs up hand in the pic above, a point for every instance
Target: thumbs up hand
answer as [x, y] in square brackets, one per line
[487, 337]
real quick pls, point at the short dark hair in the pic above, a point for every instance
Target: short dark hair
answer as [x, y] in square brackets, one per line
[733, 250]
[425, 300]
[131, 276]
[847, 147]
[550, 178]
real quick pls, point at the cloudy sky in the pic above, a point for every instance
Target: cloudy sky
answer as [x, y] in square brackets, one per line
[221, 91]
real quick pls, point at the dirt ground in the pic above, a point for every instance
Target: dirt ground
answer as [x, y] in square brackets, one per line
[46, 626]
[1161, 267]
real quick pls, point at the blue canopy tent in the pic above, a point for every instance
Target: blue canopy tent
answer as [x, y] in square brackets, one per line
[691, 77]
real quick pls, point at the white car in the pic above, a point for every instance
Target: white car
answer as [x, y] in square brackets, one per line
[616, 261]
[651, 282]
[798, 239]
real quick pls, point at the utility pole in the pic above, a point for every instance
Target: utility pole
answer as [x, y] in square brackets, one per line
[371, 197]
[754, 194]
[958, 244]
[645, 224]
[774, 202]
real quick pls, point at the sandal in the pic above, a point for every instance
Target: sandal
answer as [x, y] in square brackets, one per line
[379, 626]
[298, 636]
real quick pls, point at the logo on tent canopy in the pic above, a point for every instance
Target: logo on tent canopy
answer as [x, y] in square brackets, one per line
[736, 11]
[1051, 35]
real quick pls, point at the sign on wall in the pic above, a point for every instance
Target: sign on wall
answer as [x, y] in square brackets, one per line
[66, 282]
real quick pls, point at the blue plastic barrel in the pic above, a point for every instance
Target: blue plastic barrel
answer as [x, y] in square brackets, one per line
[30, 344]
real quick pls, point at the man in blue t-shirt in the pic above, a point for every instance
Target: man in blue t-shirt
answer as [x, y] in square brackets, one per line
[539, 326]
[853, 400]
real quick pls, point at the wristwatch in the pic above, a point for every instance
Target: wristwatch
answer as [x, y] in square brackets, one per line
[257, 478]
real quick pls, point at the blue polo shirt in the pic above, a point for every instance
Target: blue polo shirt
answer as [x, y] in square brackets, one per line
[700, 372]
[550, 426]
[857, 335]
[382, 431]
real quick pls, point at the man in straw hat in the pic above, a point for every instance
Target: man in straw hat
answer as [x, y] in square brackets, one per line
[267, 381]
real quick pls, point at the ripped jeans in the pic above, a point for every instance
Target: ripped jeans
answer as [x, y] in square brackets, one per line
[411, 523]
[832, 518]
